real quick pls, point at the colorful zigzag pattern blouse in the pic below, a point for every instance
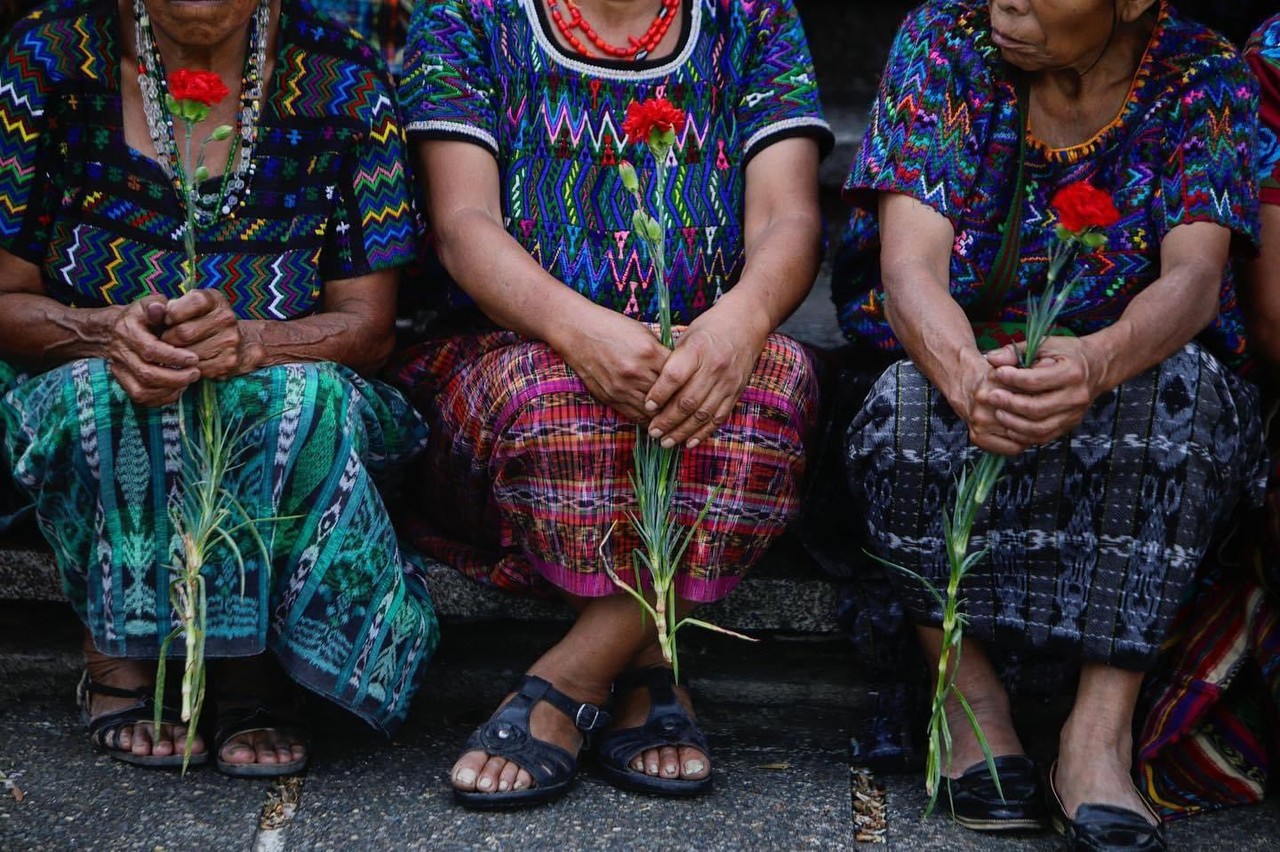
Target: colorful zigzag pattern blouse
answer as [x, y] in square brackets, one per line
[944, 129]
[490, 72]
[1263, 54]
[329, 199]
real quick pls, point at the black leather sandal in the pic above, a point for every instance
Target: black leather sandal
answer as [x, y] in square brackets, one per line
[977, 805]
[237, 717]
[104, 730]
[1106, 828]
[668, 724]
[506, 735]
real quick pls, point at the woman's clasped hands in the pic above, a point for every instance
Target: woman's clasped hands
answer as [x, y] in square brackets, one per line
[1009, 408]
[158, 347]
[683, 394]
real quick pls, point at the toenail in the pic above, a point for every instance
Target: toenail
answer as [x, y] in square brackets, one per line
[668, 770]
[485, 783]
[466, 776]
[502, 786]
[693, 767]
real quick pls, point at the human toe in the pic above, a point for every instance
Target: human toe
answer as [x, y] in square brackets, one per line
[488, 780]
[694, 764]
[507, 778]
[467, 770]
[668, 758]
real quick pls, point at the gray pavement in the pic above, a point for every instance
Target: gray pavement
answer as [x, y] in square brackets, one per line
[778, 715]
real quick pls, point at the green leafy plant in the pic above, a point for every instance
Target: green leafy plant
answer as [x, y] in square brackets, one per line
[655, 123]
[1081, 210]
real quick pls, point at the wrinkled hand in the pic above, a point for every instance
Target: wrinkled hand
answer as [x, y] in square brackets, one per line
[968, 389]
[152, 371]
[702, 380]
[617, 358]
[202, 322]
[1037, 404]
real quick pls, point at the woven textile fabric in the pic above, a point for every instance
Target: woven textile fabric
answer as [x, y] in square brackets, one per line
[944, 129]
[526, 474]
[1093, 539]
[329, 200]
[342, 608]
[1210, 737]
[384, 23]
[490, 72]
[1263, 54]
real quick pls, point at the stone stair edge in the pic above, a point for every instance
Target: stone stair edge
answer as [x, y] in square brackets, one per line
[781, 595]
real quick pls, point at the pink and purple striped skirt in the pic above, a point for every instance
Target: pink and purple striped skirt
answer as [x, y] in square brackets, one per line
[525, 484]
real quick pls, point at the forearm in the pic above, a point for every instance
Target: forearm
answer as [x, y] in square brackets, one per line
[933, 329]
[781, 264]
[338, 336]
[39, 332]
[1157, 323]
[1261, 290]
[504, 280]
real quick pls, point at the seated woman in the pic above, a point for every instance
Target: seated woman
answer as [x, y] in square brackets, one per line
[516, 109]
[1130, 441]
[1210, 739]
[298, 244]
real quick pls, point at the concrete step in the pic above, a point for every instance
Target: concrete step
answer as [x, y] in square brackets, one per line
[784, 593]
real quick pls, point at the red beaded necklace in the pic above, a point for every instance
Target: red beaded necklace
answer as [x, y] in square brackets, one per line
[638, 48]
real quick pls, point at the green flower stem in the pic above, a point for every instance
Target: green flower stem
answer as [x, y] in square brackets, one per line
[204, 507]
[663, 543]
[974, 486]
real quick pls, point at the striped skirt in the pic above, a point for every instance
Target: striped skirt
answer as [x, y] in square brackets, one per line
[343, 608]
[1092, 540]
[525, 484]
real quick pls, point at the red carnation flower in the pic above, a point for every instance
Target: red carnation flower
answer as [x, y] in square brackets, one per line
[203, 87]
[1081, 206]
[654, 114]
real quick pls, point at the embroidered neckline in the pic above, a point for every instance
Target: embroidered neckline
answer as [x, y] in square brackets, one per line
[1081, 150]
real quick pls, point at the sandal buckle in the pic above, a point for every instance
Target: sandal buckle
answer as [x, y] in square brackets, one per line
[589, 717]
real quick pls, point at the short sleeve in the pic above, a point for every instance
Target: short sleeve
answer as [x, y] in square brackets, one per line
[447, 90]
[1209, 137]
[1264, 59]
[780, 98]
[920, 139]
[373, 227]
[26, 155]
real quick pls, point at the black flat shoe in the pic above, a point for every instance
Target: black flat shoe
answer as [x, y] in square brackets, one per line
[976, 804]
[1104, 828]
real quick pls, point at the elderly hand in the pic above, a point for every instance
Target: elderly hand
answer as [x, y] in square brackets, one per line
[968, 387]
[1037, 404]
[152, 372]
[202, 322]
[617, 358]
[703, 379]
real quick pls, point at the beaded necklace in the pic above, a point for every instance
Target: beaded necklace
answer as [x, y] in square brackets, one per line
[236, 177]
[639, 48]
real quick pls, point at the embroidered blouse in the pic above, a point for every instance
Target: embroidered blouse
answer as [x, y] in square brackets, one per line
[944, 129]
[490, 72]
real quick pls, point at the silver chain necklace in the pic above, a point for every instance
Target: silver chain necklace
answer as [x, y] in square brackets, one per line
[238, 175]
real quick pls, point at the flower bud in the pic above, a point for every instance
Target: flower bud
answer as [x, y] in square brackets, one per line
[629, 179]
[202, 174]
[221, 132]
[640, 224]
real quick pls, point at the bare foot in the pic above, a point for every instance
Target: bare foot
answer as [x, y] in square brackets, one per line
[1096, 770]
[992, 713]
[140, 738]
[243, 686]
[670, 762]
[480, 772]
